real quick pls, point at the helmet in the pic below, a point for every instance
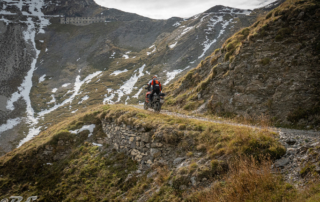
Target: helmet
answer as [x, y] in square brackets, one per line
[155, 76]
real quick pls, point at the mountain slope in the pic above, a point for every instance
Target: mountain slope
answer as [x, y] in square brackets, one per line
[68, 154]
[271, 68]
[52, 70]
[120, 153]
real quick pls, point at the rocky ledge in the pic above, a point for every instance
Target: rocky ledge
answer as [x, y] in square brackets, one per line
[301, 163]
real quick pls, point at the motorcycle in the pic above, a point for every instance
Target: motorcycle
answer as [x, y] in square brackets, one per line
[156, 103]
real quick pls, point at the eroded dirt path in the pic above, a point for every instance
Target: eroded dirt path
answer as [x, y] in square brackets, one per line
[306, 135]
[303, 148]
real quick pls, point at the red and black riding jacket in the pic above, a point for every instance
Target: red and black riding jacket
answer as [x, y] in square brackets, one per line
[155, 83]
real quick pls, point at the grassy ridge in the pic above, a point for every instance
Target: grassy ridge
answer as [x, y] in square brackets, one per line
[87, 173]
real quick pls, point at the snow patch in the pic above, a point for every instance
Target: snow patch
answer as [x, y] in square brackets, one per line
[126, 101]
[177, 24]
[173, 74]
[204, 17]
[4, 12]
[53, 100]
[95, 144]
[113, 54]
[246, 12]
[109, 90]
[85, 127]
[84, 99]
[138, 93]
[76, 89]
[66, 85]
[186, 30]
[208, 43]
[128, 85]
[118, 72]
[74, 111]
[154, 50]
[10, 124]
[54, 90]
[32, 133]
[5, 20]
[269, 3]
[108, 99]
[126, 88]
[173, 45]
[196, 16]
[42, 78]
[120, 94]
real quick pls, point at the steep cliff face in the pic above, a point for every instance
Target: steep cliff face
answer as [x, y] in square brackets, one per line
[271, 68]
[52, 71]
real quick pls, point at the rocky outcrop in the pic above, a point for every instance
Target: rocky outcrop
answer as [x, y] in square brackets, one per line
[300, 165]
[273, 71]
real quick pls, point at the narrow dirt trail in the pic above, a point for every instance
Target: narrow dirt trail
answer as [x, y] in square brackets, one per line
[301, 136]
[298, 145]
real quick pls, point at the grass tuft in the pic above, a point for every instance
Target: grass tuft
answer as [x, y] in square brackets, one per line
[265, 61]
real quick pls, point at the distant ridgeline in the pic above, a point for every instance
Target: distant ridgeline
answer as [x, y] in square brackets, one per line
[85, 20]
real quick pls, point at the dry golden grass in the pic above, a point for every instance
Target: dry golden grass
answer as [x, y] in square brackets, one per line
[249, 180]
[162, 176]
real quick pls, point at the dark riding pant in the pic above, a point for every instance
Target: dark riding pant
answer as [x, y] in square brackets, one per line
[157, 91]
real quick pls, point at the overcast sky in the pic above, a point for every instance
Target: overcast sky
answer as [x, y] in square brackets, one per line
[164, 9]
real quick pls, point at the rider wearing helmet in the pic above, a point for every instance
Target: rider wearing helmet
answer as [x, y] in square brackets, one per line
[155, 86]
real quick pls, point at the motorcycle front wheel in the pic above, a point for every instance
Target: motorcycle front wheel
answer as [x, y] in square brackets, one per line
[145, 106]
[157, 107]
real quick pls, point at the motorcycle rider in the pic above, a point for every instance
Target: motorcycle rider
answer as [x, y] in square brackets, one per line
[149, 85]
[149, 89]
[155, 86]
